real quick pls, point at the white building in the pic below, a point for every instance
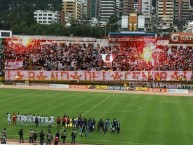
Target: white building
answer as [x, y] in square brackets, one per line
[46, 17]
[135, 7]
[145, 7]
[107, 9]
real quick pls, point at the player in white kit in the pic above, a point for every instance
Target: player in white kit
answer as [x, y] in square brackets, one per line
[18, 119]
[46, 120]
[52, 120]
[9, 118]
[33, 119]
[29, 120]
[42, 120]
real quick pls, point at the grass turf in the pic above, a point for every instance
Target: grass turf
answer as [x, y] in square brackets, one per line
[145, 119]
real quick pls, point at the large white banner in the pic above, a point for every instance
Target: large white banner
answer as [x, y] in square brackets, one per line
[99, 75]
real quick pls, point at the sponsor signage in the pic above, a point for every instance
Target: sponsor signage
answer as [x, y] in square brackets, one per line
[79, 86]
[140, 89]
[177, 91]
[157, 90]
[97, 75]
[59, 86]
[101, 87]
[22, 84]
[184, 38]
[116, 88]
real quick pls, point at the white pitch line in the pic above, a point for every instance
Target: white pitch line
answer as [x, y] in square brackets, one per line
[96, 105]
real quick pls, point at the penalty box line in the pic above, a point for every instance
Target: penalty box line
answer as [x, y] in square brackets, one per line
[97, 105]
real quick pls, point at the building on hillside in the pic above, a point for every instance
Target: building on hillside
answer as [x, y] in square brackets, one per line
[91, 9]
[145, 7]
[165, 14]
[46, 17]
[72, 8]
[190, 15]
[189, 28]
[181, 11]
[61, 17]
[107, 9]
[135, 7]
[126, 7]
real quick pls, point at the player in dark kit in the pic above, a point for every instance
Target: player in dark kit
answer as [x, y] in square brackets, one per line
[21, 136]
[73, 135]
[42, 137]
[58, 122]
[63, 136]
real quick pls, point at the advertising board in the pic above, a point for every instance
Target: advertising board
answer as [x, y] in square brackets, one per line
[101, 87]
[177, 91]
[116, 88]
[59, 86]
[79, 86]
[140, 89]
[157, 90]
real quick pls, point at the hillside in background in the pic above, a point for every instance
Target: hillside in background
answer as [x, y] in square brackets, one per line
[15, 9]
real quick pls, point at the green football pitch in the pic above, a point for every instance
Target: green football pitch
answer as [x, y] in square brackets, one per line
[145, 119]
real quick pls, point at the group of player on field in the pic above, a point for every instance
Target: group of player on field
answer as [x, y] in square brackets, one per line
[30, 120]
[84, 125]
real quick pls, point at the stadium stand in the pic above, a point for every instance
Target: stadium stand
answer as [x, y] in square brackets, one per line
[87, 57]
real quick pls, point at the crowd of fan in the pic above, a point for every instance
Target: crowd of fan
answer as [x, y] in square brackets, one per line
[87, 57]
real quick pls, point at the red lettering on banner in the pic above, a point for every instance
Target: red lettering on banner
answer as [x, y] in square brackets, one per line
[135, 75]
[116, 76]
[64, 73]
[126, 74]
[54, 75]
[19, 76]
[41, 76]
[8, 75]
[144, 77]
[104, 74]
[163, 76]
[31, 75]
[94, 75]
[76, 76]
[174, 76]
[98, 75]
[89, 75]
[156, 76]
[184, 72]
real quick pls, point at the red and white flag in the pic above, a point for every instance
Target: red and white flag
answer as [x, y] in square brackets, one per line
[13, 64]
[108, 59]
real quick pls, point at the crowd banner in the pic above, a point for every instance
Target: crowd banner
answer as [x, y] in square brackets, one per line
[64, 86]
[116, 88]
[157, 90]
[177, 91]
[79, 86]
[98, 75]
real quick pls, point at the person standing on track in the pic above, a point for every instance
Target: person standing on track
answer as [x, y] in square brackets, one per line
[21, 136]
[73, 135]
[63, 136]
